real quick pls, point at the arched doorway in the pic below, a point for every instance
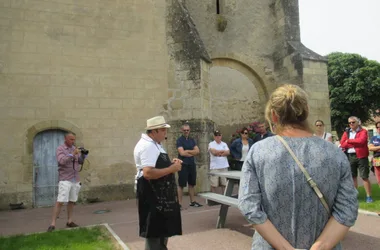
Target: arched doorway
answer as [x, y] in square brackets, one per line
[45, 167]
[238, 95]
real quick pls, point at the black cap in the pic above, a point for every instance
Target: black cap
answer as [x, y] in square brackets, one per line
[217, 132]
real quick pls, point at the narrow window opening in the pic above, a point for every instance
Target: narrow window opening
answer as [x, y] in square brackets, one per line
[217, 7]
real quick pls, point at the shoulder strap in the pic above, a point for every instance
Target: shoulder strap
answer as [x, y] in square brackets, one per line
[311, 182]
[324, 135]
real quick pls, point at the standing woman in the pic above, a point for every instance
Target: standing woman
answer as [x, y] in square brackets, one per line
[374, 146]
[320, 131]
[274, 194]
[240, 147]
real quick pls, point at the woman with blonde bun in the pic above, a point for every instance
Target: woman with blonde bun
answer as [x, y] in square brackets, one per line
[282, 176]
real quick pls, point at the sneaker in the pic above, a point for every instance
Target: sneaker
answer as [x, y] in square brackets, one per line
[195, 204]
[368, 199]
[71, 224]
[51, 229]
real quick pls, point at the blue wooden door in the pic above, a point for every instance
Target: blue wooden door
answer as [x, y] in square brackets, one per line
[45, 169]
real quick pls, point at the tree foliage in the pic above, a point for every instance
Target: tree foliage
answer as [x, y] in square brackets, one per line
[354, 85]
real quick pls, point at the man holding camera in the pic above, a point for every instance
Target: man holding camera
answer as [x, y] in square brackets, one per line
[69, 158]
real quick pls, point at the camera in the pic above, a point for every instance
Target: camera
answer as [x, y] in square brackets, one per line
[83, 151]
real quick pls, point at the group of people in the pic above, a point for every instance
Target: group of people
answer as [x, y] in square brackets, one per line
[297, 188]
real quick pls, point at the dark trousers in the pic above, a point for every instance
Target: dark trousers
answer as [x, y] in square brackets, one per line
[156, 243]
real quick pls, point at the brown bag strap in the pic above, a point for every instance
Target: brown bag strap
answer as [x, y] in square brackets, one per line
[311, 182]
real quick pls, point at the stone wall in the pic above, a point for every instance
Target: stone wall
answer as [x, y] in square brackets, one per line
[99, 66]
[235, 101]
[189, 93]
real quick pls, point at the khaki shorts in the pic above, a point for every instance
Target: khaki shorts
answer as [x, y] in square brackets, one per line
[68, 191]
[217, 181]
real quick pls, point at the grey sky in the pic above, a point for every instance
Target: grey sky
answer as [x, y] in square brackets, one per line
[341, 25]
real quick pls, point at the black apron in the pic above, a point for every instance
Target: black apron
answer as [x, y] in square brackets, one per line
[159, 211]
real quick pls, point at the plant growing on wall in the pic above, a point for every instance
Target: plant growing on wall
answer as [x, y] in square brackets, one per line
[221, 22]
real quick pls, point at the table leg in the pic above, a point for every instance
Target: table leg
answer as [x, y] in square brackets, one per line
[224, 208]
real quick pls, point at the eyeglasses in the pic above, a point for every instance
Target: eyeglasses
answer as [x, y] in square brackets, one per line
[186, 130]
[318, 125]
[351, 122]
[246, 133]
[218, 135]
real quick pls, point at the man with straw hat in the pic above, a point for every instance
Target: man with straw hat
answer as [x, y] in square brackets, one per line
[156, 189]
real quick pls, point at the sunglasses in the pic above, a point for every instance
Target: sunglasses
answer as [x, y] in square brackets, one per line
[377, 127]
[318, 125]
[246, 133]
[351, 122]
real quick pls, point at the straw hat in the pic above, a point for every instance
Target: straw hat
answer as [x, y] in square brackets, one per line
[156, 122]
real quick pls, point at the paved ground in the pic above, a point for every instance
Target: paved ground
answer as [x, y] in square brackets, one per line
[197, 223]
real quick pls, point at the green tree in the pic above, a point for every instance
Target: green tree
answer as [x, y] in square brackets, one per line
[354, 85]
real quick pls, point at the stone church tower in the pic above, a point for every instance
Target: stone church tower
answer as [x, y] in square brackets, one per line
[101, 68]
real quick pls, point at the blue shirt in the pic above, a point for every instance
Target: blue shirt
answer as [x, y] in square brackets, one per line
[186, 144]
[375, 140]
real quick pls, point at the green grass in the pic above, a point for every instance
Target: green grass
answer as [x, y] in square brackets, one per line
[95, 238]
[375, 206]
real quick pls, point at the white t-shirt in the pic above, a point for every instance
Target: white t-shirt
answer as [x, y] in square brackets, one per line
[244, 152]
[351, 136]
[218, 162]
[325, 136]
[146, 153]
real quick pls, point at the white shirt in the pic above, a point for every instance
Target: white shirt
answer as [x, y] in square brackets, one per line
[351, 136]
[146, 153]
[218, 162]
[244, 152]
[325, 136]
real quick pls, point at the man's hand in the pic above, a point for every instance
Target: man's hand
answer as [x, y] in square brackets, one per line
[176, 159]
[177, 165]
[76, 151]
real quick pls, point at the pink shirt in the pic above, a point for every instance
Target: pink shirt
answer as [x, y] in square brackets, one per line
[65, 160]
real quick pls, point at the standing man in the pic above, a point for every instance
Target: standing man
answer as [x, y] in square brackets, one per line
[159, 211]
[218, 161]
[262, 133]
[187, 149]
[69, 158]
[355, 142]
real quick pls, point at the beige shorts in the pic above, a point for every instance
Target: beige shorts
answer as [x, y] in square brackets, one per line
[217, 181]
[68, 191]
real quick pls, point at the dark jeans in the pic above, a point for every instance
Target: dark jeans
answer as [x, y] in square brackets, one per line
[156, 243]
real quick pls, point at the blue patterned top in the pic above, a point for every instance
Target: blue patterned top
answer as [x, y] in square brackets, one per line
[273, 187]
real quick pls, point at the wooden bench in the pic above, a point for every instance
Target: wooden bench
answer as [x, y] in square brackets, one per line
[224, 201]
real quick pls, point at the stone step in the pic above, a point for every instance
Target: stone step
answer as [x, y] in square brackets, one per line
[221, 239]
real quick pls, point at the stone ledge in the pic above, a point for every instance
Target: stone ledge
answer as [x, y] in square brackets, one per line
[103, 193]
